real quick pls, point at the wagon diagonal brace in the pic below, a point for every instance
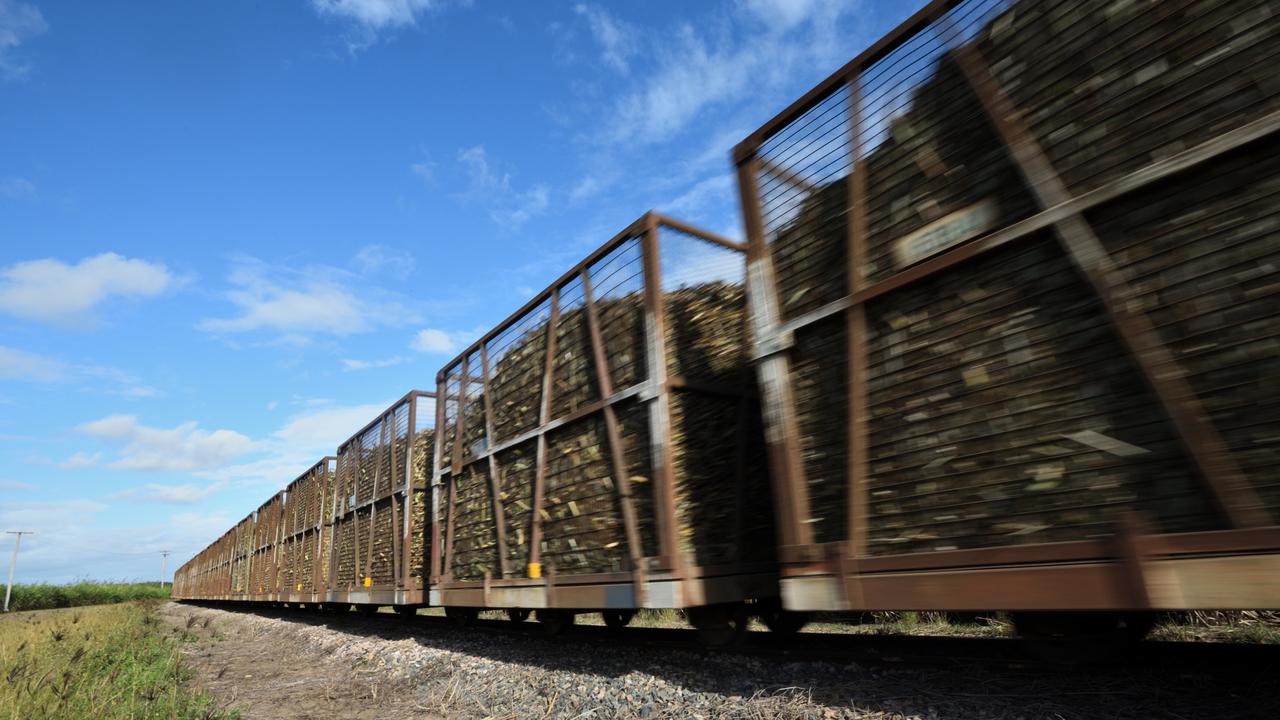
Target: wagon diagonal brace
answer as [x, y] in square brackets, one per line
[1235, 497]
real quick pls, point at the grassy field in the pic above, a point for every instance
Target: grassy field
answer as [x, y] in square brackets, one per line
[42, 596]
[107, 662]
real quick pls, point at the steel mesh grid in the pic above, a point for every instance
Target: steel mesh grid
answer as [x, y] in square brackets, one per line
[452, 388]
[399, 455]
[803, 197]
[474, 435]
[704, 305]
[617, 287]
[573, 375]
[516, 472]
[474, 538]
[582, 530]
[977, 408]
[1201, 258]
[1170, 75]
[517, 356]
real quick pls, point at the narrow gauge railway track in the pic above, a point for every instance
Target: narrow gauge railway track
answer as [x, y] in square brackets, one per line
[840, 648]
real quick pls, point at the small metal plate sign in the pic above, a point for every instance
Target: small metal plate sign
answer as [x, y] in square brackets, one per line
[945, 232]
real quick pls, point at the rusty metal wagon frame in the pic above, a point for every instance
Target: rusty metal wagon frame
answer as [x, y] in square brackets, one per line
[1230, 568]
[662, 580]
[386, 444]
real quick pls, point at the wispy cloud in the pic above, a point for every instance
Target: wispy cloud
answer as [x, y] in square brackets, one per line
[508, 206]
[180, 494]
[443, 342]
[353, 365]
[19, 22]
[16, 188]
[298, 303]
[14, 485]
[303, 439]
[376, 258]
[376, 14]
[30, 367]
[759, 48]
[616, 38]
[80, 460]
[54, 292]
[185, 448]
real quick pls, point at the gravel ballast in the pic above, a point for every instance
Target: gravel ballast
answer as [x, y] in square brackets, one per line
[281, 664]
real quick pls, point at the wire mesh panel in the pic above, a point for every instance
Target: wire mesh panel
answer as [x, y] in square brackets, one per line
[562, 468]
[968, 340]
[379, 524]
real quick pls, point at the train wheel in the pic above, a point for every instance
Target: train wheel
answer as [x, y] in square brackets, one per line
[517, 614]
[555, 622]
[368, 610]
[461, 617]
[778, 620]
[406, 610]
[617, 619]
[718, 625]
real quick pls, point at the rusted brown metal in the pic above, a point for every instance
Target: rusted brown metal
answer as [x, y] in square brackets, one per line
[1233, 494]
[899, 581]
[664, 501]
[499, 516]
[787, 474]
[621, 481]
[544, 413]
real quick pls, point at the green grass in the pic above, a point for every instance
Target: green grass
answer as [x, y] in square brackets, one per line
[42, 596]
[107, 662]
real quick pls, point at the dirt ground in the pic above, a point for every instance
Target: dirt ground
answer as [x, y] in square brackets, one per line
[296, 666]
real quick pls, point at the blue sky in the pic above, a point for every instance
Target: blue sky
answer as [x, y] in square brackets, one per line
[232, 232]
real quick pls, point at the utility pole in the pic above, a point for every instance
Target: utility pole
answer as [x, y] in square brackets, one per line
[13, 561]
[164, 564]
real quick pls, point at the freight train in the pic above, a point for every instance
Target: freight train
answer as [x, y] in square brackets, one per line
[1003, 335]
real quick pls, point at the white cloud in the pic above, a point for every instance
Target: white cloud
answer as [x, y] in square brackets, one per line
[508, 206]
[16, 188]
[80, 460]
[183, 494]
[29, 367]
[20, 365]
[374, 258]
[272, 405]
[182, 448]
[375, 13]
[350, 365]
[585, 188]
[698, 70]
[715, 190]
[617, 39]
[14, 485]
[431, 340]
[299, 443]
[51, 291]
[297, 303]
[19, 22]
[71, 544]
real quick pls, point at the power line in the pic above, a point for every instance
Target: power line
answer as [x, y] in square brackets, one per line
[13, 561]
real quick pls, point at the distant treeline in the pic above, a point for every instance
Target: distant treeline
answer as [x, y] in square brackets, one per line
[41, 596]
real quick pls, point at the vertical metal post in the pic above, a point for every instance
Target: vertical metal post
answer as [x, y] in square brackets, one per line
[544, 414]
[164, 563]
[621, 480]
[406, 547]
[856, 344]
[774, 372]
[499, 514]
[13, 562]
[666, 522]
